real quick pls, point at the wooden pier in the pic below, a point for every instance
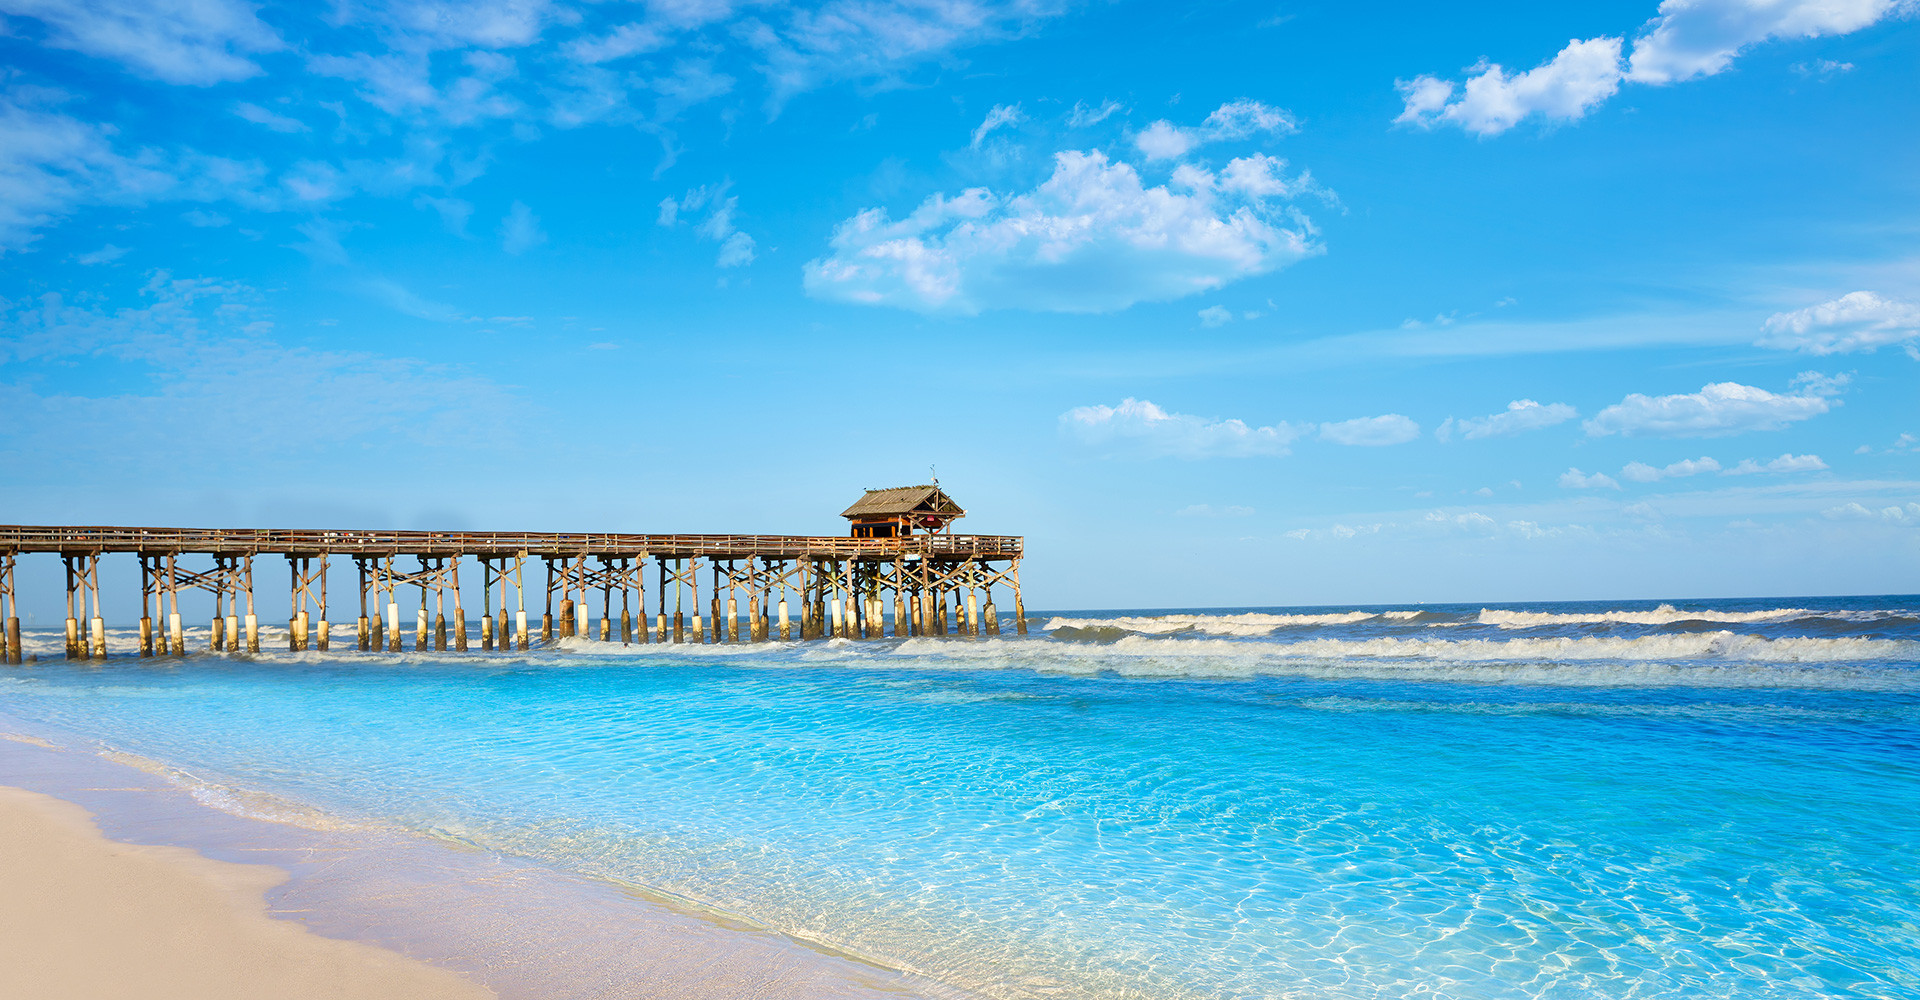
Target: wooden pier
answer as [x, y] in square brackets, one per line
[789, 587]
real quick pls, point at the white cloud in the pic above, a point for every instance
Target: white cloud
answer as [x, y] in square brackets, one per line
[1824, 69]
[1788, 462]
[1640, 472]
[1084, 116]
[261, 116]
[1164, 140]
[1139, 424]
[1000, 116]
[1856, 511]
[736, 247]
[1574, 479]
[1215, 316]
[802, 47]
[1687, 39]
[453, 212]
[51, 163]
[105, 255]
[190, 351]
[1091, 238]
[1692, 38]
[197, 42]
[1581, 76]
[520, 230]
[1718, 409]
[735, 251]
[1208, 510]
[1234, 120]
[1856, 321]
[1521, 415]
[1391, 428]
[402, 299]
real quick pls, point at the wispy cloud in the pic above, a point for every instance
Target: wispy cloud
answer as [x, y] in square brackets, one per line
[1085, 115]
[1574, 479]
[736, 247]
[520, 230]
[1163, 140]
[194, 42]
[1371, 432]
[1001, 116]
[1520, 416]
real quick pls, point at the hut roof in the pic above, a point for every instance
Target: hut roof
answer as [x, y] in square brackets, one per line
[923, 499]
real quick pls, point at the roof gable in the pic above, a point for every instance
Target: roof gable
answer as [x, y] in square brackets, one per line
[923, 499]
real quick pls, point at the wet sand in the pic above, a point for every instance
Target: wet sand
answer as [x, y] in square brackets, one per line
[457, 921]
[82, 916]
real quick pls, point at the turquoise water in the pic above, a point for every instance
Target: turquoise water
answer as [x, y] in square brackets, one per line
[1576, 800]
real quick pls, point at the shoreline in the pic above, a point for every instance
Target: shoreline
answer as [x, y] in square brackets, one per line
[506, 927]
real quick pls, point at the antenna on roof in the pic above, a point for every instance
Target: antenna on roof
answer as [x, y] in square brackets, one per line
[935, 473]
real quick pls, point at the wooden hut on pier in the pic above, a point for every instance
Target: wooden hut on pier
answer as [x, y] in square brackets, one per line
[896, 511]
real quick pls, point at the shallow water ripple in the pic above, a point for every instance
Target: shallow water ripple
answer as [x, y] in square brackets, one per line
[1168, 814]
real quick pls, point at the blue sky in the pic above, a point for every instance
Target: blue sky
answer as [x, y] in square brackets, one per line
[1218, 304]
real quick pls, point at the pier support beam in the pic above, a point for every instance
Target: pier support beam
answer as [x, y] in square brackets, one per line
[9, 611]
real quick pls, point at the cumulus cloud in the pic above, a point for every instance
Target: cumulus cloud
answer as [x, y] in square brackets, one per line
[1788, 462]
[1000, 116]
[1145, 427]
[1693, 38]
[1685, 40]
[1640, 472]
[1492, 101]
[1234, 120]
[1856, 511]
[1718, 409]
[1215, 316]
[1091, 238]
[196, 42]
[1574, 479]
[1391, 428]
[1521, 415]
[520, 230]
[1856, 321]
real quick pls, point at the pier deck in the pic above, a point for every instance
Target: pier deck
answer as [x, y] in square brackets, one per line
[841, 583]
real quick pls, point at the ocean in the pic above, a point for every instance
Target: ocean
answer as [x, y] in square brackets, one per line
[1565, 800]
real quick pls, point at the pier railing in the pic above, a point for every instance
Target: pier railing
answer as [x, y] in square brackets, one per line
[258, 541]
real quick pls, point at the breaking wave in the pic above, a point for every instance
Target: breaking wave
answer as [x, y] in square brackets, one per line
[1247, 624]
[1665, 614]
[1706, 660]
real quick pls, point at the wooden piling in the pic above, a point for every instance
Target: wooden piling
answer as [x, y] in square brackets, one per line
[1019, 606]
[323, 603]
[393, 611]
[459, 610]
[363, 631]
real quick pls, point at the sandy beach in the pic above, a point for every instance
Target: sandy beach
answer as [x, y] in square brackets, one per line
[83, 916]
